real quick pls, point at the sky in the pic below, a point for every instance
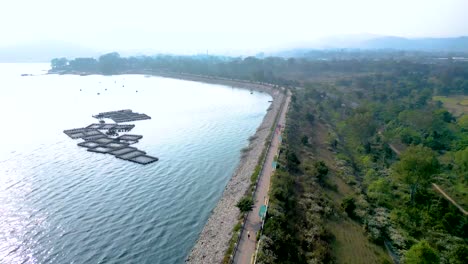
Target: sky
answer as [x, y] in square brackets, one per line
[216, 25]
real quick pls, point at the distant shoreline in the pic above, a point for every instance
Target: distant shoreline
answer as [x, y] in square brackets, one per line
[213, 241]
[257, 86]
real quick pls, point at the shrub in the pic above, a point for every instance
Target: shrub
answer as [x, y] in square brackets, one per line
[245, 204]
[349, 205]
[421, 253]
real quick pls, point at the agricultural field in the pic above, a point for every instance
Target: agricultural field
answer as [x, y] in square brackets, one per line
[457, 105]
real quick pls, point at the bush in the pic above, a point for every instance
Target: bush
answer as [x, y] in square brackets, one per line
[349, 205]
[421, 253]
[245, 204]
[321, 170]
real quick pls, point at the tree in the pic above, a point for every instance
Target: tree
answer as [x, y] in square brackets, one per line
[349, 205]
[458, 255]
[380, 191]
[463, 122]
[421, 253]
[245, 204]
[292, 161]
[461, 160]
[110, 63]
[416, 168]
[58, 63]
[265, 252]
[321, 170]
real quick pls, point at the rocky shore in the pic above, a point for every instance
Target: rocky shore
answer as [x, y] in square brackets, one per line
[214, 239]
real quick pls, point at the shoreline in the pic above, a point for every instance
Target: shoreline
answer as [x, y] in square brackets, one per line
[213, 240]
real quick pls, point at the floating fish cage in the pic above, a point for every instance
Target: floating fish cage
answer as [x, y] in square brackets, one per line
[98, 142]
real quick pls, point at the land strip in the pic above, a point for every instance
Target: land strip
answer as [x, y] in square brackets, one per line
[214, 238]
[253, 224]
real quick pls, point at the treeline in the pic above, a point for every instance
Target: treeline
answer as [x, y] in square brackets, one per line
[447, 77]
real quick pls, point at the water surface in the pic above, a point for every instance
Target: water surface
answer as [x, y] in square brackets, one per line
[62, 204]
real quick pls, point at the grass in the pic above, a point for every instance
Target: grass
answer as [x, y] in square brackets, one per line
[232, 242]
[255, 174]
[352, 246]
[464, 102]
[457, 105]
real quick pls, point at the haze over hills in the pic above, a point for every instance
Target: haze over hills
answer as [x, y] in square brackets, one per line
[375, 42]
[45, 51]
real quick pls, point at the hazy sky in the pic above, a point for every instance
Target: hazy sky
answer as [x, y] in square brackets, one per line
[217, 25]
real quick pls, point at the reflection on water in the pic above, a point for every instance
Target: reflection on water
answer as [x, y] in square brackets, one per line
[62, 204]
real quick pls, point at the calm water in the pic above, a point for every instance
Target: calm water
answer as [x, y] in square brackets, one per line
[62, 204]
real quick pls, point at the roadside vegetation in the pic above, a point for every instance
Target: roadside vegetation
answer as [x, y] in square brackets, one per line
[367, 136]
[369, 119]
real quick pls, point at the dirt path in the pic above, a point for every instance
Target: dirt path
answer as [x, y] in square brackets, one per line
[437, 188]
[246, 248]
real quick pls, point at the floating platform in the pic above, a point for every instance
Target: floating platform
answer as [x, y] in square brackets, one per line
[82, 132]
[116, 145]
[122, 116]
[100, 149]
[144, 159]
[108, 143]
[122, 151]
[130, 137]
[91, 138]
[131, 155]
[107, 126]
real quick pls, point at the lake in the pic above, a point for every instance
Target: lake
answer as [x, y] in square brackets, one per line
[62, 204]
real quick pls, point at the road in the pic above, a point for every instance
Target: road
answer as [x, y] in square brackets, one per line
[246, 248]
[437, 188]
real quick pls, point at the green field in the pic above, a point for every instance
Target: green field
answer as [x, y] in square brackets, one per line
[457, 105]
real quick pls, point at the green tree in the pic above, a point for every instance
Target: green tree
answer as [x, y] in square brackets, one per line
[461, 160]
[110, 63]
[58, 63]
[463, 122]
[321, 170]
[292, 161]
[265, 252]
[380, 191]
[421, 253]
[245, 204]
[349, 205]
[416, 168]
[458, 255]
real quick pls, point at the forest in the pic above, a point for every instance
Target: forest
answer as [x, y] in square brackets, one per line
[368, 141]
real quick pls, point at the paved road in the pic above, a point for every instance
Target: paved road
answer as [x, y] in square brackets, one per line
[246, 248]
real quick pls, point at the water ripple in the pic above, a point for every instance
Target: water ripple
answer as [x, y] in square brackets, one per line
[62, 204]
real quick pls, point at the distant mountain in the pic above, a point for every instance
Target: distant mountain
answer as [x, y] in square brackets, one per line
[459, 44]
[43, 52]
[375, 42]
